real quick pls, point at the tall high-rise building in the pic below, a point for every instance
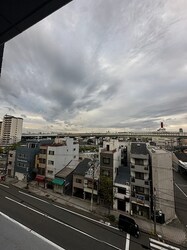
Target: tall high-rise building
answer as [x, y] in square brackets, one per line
[11, 129]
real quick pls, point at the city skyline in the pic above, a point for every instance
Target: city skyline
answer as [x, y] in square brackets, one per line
[99, 66]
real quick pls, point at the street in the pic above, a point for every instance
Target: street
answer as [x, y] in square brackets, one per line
[180, 187]
[65, 228]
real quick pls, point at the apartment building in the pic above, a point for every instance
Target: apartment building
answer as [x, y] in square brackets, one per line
[25, 158]
[141, 186]
[162, 181]
[110, 158]
[54, 157]
[11, 130]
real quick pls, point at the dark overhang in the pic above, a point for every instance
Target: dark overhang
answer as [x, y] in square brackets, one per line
[18, 15]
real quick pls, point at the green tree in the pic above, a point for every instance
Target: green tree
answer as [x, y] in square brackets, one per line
[106, 191]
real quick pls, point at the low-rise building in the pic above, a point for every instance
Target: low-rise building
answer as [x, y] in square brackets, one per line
[122, 190]
[11, 163]
[63, 180]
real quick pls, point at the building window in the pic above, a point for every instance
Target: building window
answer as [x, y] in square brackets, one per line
[50, 162]
[10, 163]
[22, 155]
[43, 151]
[74, 149]
[78, 180]
[139, 176]
[41, 160]
[49, 171]
[51, 152]
[106, 160]
[122, 190]
[41, 171]
[105, 173]
[139, 162]
[10, 155]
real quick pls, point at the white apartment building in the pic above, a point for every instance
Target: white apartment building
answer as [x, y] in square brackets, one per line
[59, 154]
[11, 130]
[162, 181]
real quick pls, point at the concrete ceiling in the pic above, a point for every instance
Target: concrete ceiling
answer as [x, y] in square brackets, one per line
[18, 15]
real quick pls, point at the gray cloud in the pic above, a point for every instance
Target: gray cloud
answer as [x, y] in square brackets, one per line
[102, 63]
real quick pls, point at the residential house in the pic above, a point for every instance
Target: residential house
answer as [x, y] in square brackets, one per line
[86, 179]
[122, 189]
[62, 183]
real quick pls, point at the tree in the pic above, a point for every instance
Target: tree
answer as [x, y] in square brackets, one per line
[106, 191]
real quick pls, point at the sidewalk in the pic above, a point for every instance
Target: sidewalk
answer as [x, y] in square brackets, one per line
[176, 234]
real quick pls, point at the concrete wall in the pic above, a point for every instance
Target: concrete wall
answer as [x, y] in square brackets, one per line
[162, 177]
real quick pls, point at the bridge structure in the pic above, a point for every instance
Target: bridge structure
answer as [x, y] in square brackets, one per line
[126, 135]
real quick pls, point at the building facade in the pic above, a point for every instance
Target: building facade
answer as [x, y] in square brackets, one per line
[141, 187]
[11, 163]
[11, 130]
[162, 181]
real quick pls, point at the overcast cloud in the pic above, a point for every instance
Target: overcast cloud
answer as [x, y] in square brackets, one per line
[100, 65]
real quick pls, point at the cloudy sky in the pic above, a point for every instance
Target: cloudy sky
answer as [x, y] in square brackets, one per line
[100, 65]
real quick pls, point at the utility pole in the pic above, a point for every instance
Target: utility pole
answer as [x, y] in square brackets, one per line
[91, 205]
[154, 209]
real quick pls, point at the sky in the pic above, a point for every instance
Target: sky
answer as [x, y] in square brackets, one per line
[97, 66]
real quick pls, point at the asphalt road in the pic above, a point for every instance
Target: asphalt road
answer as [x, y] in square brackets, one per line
[66, 228]
[180, 184]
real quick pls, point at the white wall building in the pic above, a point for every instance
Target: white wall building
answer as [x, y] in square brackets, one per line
[162, 179]
[60, 154]
[11, 129]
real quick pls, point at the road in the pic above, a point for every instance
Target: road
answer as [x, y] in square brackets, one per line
[180, 184]
[65, 228]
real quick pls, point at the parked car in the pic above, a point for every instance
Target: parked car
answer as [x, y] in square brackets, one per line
[128, 225]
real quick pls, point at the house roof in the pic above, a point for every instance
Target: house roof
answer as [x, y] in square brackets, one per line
[181, 156]
[123, 175]
[69, 168]
[82, 167]
[139, 148]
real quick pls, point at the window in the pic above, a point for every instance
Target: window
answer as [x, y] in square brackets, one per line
[106, 160]
[41, 171]
[43, 151]
[139, 176]
[122, 190]
[21, 155]
[49, 171]
[105, 173]
[78, 181]
[139, 162]
[74, 149]
[10, 163]
[41, 160]
[50, 162]
[51, 152]
[10, 155]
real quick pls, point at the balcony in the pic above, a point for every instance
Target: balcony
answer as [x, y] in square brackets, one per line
[140, 168]
[139, 182]
[140, 200]
[121, 196]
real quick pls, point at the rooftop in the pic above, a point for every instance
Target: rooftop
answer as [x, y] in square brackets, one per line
[139, 148]
[181, 156]
[123, 175]
[69, 168]
[82, 167]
